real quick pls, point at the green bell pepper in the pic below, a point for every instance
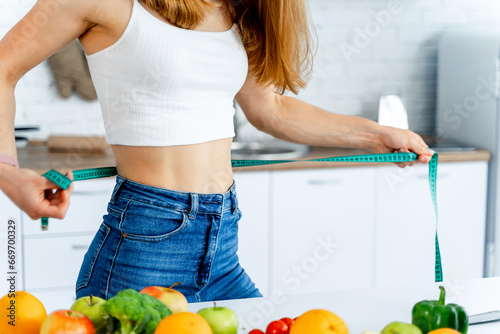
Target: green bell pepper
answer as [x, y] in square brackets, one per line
[429, 315]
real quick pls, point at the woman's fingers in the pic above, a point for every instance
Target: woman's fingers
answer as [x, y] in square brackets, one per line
[36, 195]
[422, 149]
[418, 146]
[55, 201]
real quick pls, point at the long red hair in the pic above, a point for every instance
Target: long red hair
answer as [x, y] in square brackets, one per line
[275, 33]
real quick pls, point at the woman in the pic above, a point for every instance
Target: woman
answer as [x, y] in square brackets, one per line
[166, 72]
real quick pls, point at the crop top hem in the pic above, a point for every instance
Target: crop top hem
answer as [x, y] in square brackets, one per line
[183, 143]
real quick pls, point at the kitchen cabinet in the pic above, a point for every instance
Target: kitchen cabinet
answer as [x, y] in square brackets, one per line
[322, 233]
[253, 232]
[405, 225]
[56, 266]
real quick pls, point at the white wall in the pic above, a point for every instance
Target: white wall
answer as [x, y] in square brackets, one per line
[399, 57]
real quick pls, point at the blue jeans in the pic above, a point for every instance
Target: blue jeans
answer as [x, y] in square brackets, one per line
[155, 236]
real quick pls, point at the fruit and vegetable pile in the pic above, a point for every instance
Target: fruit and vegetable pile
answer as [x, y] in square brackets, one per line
[159, 310]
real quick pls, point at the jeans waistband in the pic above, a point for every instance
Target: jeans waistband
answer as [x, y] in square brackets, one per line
[192, 203]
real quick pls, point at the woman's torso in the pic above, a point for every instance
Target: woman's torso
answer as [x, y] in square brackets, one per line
[202, 168]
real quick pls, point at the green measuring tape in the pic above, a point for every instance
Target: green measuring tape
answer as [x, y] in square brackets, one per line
[95, 173]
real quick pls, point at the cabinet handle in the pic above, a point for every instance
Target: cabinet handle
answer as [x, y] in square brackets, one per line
[79, 247]
[91, 193]
[335, 182]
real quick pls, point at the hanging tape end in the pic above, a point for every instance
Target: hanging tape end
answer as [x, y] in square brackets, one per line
[45, 224]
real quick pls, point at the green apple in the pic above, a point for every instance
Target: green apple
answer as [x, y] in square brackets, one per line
[91, 307]
[222, 320]
[401, 328]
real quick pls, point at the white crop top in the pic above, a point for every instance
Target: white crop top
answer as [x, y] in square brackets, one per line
[160, 85]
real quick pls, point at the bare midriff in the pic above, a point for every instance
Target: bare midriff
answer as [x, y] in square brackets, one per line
[201, 168]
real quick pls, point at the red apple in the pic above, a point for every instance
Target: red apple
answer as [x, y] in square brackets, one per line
[174, 300]
[67, 321]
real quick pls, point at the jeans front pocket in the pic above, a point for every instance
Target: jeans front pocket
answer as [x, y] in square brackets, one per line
[91, 256]
[148, 222]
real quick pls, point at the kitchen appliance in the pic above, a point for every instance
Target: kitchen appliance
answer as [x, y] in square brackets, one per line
[468, 106]
[392, 112]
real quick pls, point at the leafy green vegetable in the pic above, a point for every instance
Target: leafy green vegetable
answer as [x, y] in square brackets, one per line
[130, 312]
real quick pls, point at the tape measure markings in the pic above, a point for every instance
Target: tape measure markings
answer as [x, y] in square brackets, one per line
[59, 179]
[94, 173]
[433, 166]
[369, 158]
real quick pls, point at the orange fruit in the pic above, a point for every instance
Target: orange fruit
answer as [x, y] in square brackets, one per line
[183, 323]
[24, 310]
[444, 331]
[319, 322]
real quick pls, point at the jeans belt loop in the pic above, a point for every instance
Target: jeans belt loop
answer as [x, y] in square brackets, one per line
[116, 191]
[234, 200]
[194, 206]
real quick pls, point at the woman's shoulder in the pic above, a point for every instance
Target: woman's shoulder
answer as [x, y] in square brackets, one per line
[99, 12]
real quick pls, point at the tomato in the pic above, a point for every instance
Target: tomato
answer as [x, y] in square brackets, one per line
[287, 321]
[256, 331]
[277, 327]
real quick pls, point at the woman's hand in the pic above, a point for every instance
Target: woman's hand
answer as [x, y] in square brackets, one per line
[34, 194]
[396, 140]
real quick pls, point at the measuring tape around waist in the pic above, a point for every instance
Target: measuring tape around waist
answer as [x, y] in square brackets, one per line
[95, 173]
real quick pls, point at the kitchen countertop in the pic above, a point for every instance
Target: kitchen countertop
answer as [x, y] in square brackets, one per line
[368, 309]
[38, 158]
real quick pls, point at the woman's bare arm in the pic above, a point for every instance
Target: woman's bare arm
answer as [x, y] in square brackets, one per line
[293, 120]
[49, 26]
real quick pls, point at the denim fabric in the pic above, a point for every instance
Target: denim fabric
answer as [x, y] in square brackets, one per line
[155, 236]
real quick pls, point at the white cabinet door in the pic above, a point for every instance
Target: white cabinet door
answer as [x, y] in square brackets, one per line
[54, 262]
[11, 245]
[322, 232]
[462, 219]
[252, 189]
[406, 223]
